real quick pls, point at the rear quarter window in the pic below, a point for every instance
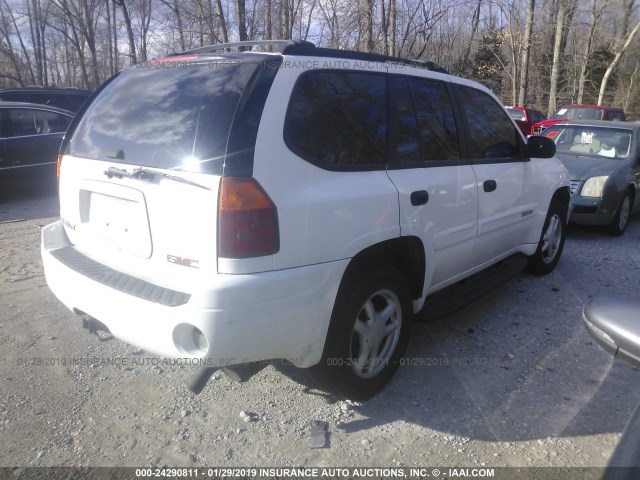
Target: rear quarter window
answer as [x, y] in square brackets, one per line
[338, 119]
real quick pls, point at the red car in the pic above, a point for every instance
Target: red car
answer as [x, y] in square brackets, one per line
[525, 118]
[580, 112]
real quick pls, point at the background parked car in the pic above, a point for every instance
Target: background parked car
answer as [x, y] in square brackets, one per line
[70, 99]
[604, 164]
[525, 118]
[580, 112]
[30, 136]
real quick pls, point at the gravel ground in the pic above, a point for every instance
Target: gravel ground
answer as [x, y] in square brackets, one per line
[511, 380]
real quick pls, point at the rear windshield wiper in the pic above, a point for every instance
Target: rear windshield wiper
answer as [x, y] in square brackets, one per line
[150, 175]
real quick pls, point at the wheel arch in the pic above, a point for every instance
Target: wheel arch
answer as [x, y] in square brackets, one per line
[562, 194]
[631, 188]
[405, 253]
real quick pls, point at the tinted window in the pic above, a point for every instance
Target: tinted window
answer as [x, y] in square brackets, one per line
[338, 118]
[26, 121]
[615, 115]
[76, 101]
[537, 117]
[164, 117]
[436, 122]
[58, 100]
[492, 135]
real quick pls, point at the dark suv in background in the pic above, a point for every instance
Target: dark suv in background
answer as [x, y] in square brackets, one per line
[70, 99]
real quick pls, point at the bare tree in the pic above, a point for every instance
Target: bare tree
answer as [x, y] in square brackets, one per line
[562, 23]
[127, 22]
[524, 70]
[368, 25]
[241, 18]
[596, 15]
[625, 44]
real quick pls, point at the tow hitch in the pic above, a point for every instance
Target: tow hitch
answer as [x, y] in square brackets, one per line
[238, 373]
[95, 327]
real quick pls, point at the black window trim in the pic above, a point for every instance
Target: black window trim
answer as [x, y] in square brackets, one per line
[342, 168]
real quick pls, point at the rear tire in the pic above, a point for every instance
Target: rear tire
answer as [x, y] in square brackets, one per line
[621, 218]
[552, 238]
[368, 334]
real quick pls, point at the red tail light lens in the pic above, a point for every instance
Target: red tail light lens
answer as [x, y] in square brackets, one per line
[247, 220]
[59, 164]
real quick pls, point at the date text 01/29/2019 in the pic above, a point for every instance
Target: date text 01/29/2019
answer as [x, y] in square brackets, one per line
[311, 472]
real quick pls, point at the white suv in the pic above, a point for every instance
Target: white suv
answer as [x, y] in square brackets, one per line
[301, 205]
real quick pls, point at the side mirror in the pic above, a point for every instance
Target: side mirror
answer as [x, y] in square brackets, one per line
[614, 323]
[540, 147]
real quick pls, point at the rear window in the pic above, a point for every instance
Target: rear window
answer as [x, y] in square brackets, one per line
[517, 114]
[579, 113]
[174, 118]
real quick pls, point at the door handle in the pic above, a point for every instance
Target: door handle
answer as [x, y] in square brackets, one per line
[419, 197]
[489, 185]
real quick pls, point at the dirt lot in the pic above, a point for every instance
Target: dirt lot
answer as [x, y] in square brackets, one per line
[511, 380]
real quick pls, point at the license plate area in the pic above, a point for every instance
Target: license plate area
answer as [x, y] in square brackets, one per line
[117, 220]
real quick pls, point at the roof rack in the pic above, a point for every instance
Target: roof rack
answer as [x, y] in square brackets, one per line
[273, 45]
[364, 56]
[302, 47]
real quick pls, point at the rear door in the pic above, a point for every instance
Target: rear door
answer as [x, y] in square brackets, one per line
[436, 186]
[507, 203]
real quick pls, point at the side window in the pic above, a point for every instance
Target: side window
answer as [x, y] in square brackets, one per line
[338, 119]
[536, 116]
[58, 100]
[21, 122]
[75, 102]
[50, 122]
[492, 135]
[28, 121]
[436, 122]
[615, 115]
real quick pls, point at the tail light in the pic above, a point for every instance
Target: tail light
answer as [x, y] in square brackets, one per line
[247, 220]
[59, 164]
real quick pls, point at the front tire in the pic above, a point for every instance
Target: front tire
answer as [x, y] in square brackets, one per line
[551, 243]
[621, 218]
[368, 334]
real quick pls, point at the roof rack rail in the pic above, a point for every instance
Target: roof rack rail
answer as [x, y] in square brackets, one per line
[302, 47]
[364, 56]
[277, 45]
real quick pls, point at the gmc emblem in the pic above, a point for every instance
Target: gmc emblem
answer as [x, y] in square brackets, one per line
[185, 262]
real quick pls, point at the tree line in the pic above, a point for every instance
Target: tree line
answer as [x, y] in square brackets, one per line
[539, 53]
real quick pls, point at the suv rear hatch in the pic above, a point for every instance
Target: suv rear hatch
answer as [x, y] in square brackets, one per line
[141, 169]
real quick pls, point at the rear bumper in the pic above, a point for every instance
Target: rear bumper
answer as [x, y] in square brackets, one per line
[272, 315]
